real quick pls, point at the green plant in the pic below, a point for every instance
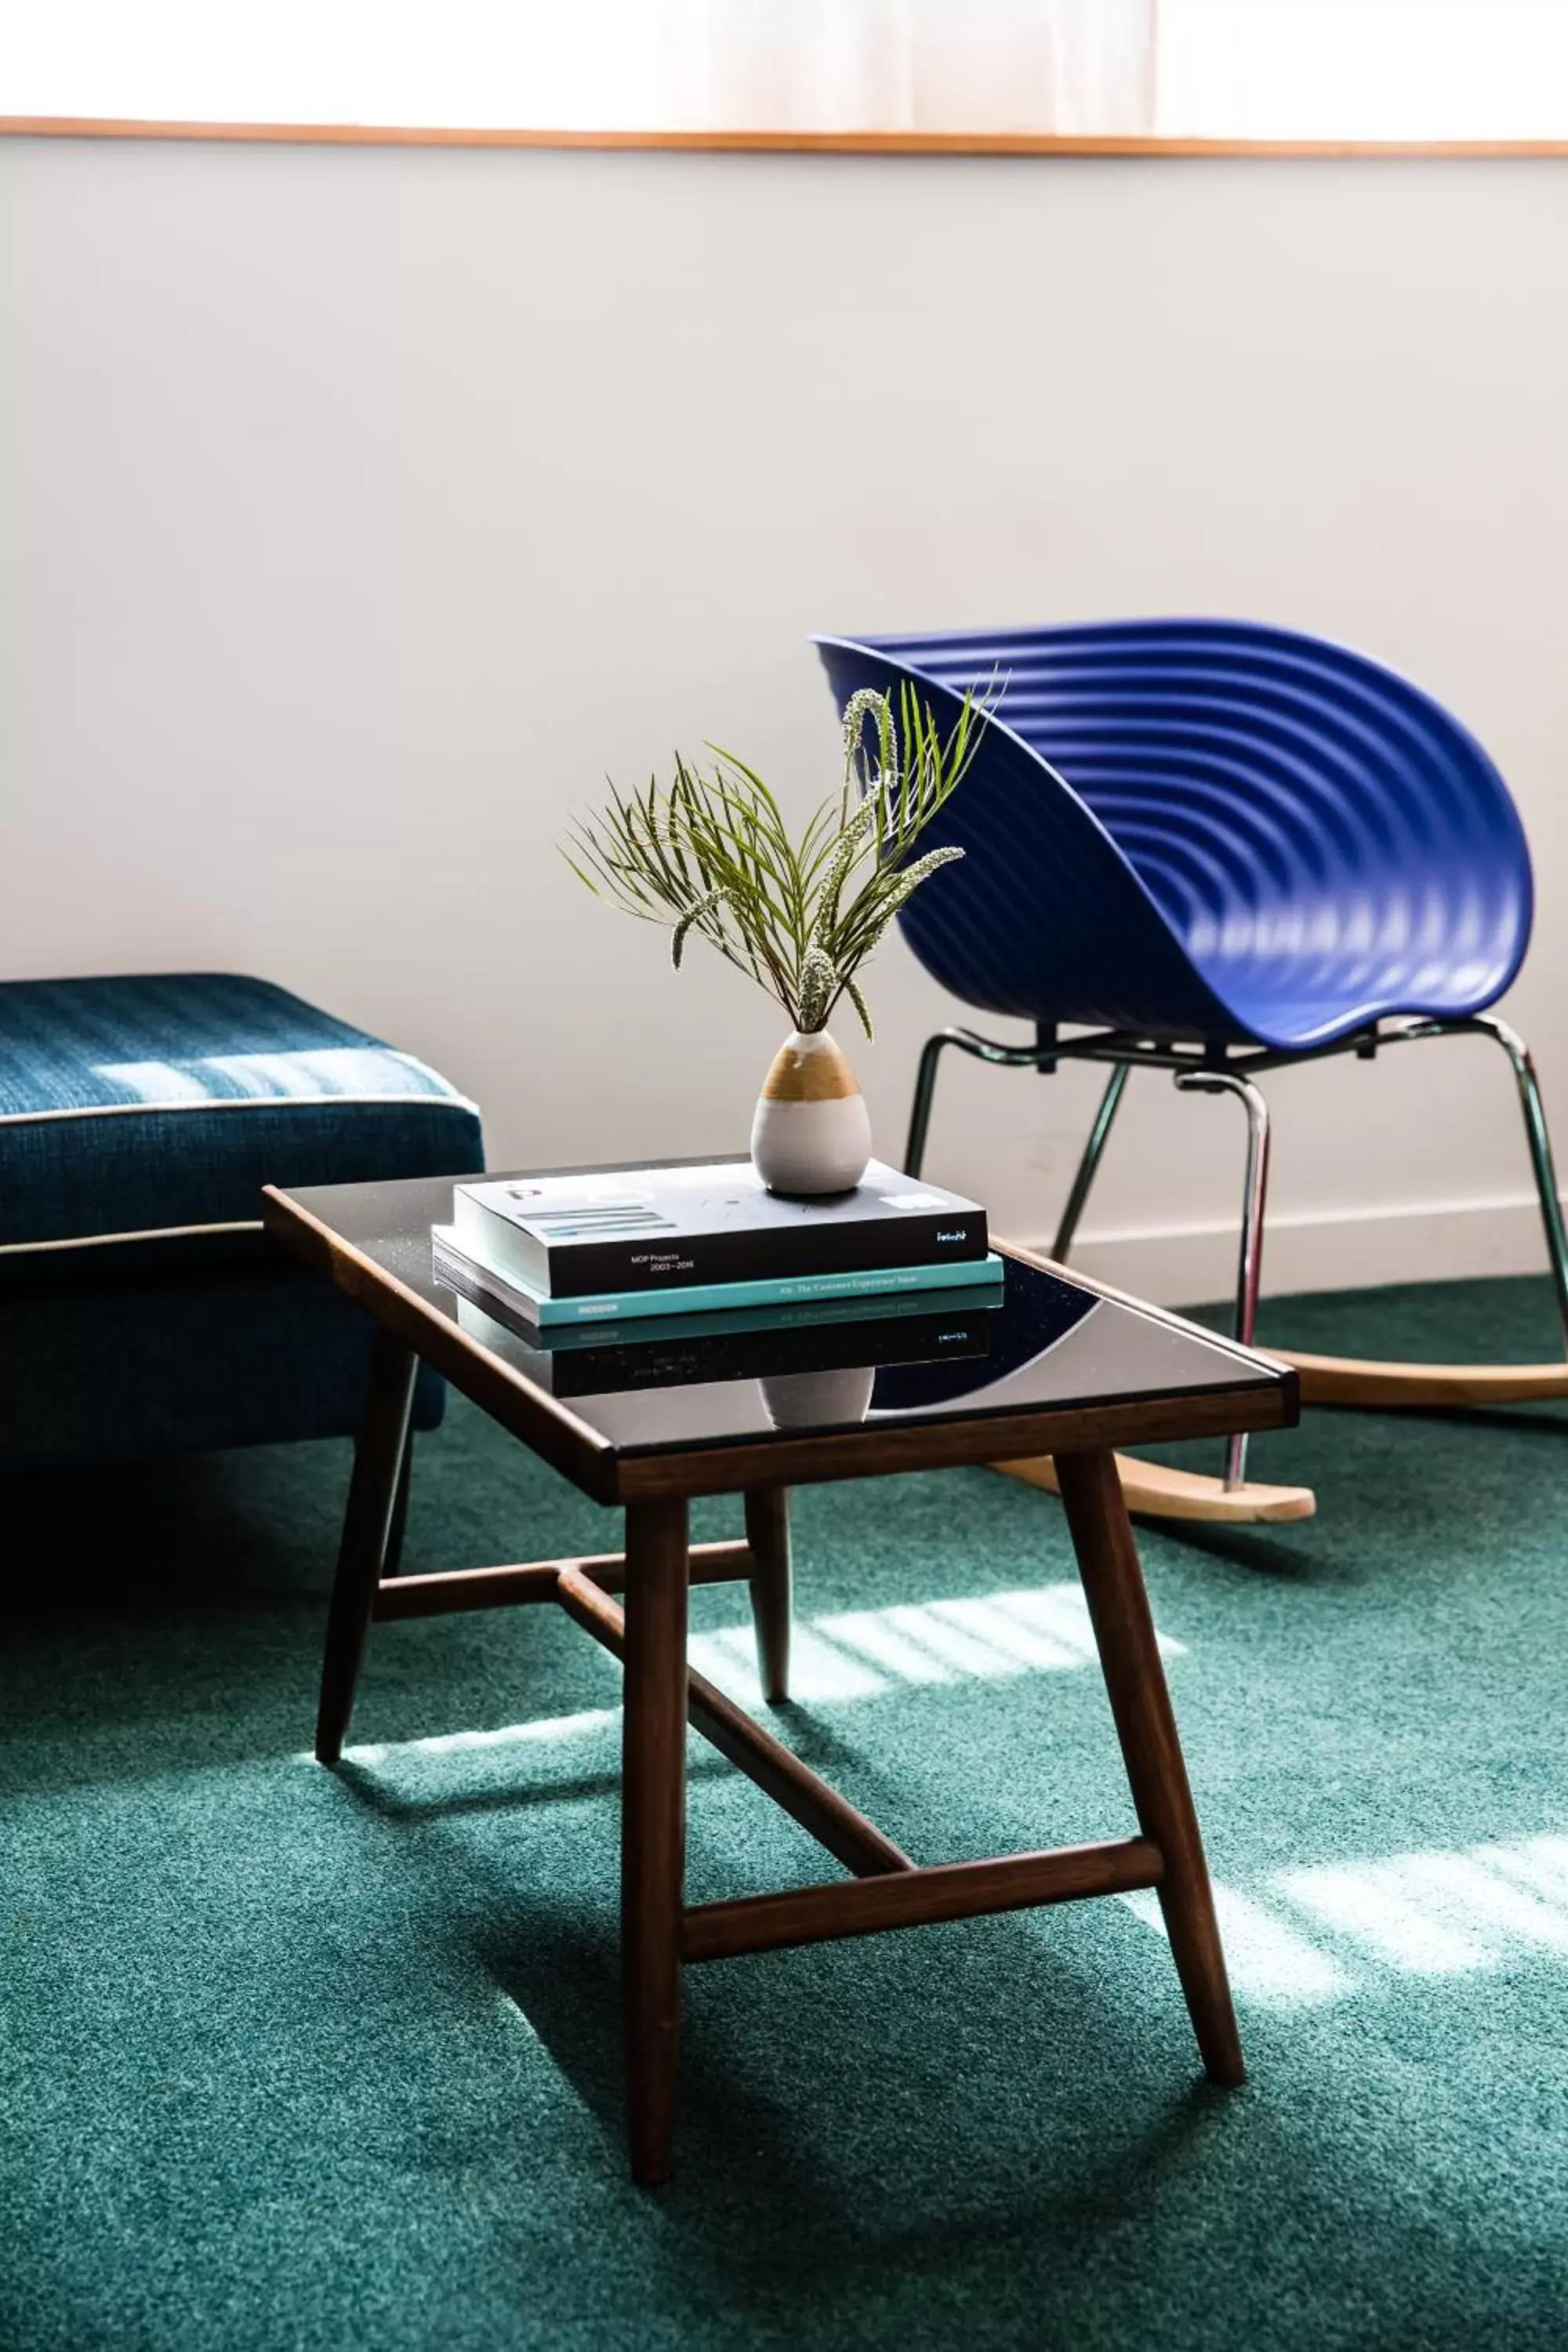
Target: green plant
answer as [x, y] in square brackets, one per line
[713, 854]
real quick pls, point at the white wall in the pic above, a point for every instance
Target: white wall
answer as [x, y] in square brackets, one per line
[362, 506]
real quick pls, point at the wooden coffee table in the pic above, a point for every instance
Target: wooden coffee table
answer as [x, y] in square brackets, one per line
[1061, 1367]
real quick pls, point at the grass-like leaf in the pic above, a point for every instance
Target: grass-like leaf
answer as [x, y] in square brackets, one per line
[713, 854]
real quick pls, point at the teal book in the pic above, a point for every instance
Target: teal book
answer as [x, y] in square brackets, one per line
[717, 1297]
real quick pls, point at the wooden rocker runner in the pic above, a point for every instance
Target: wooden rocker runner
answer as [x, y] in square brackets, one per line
[1214, 849]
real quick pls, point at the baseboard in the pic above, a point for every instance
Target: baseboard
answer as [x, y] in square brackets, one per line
[1342, 1249]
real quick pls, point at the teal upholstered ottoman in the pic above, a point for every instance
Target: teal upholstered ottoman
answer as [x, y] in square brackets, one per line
[142, 1309]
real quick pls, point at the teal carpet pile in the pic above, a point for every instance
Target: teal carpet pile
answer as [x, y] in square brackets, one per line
[301, 2061]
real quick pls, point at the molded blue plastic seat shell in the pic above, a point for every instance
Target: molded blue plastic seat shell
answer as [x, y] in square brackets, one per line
[1209, 830]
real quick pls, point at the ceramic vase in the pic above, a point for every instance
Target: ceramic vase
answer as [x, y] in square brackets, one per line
[812, 1134]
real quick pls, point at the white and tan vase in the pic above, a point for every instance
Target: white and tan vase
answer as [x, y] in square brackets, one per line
[812, 1133]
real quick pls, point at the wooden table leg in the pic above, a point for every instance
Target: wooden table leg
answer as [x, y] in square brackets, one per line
[379, 1451]
[1130, 1657]
[653, 1825]
[767, 1532]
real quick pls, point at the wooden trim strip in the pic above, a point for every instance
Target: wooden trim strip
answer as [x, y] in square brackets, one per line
[787, 143]
[915, 1898]
[505, 1588]
[830, 1818]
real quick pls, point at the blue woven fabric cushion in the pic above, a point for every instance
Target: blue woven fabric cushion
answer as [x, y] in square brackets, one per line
[111, 1367]
[156, 1104]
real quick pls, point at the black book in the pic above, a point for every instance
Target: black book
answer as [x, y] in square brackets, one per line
[695, 1224]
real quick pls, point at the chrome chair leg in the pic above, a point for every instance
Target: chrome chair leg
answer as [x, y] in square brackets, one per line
[1099, 1135]
[1538, 1136]
[1250, 1271]
[919, 1109]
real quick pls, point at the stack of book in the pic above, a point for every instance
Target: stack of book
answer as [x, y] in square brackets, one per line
[705, 1239]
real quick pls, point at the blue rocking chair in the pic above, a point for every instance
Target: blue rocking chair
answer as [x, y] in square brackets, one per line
[1216, 849]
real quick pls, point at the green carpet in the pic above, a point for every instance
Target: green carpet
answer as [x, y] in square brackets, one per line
[290, 2059]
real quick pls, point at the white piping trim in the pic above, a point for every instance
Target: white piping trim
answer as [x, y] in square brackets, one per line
[146, 1233]
[234, 1102]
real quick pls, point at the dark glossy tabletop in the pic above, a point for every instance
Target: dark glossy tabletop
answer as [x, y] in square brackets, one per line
[1047, 1344]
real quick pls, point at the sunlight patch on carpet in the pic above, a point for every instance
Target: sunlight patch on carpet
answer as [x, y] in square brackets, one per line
[544, 1729]
[854, 1654]
[1423, 1914]
[861, 1653]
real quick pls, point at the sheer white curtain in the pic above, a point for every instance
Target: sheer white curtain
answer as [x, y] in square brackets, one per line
[1063, 66]
[599, 65]
[1182, 68]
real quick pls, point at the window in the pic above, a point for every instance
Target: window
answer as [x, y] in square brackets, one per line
[1310, 70]
[1363, 69]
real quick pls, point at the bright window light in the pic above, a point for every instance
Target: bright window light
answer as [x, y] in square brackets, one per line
[862, 1653]
[1280, 70]
[470, 64]
[1317, 1935]
[1363, 69]
[157, 1082]
[1268, 1961]
[328, 1070]
[857, 1654]
[1540, 1863]
[545, 1731]
[1372, 1904]
[820, 1669]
